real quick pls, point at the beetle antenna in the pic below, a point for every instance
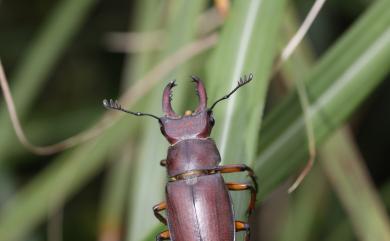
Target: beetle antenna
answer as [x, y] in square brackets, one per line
[114, 105]
[243, 81]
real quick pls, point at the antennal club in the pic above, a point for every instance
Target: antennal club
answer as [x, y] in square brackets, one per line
[243, 81]
[114, 105]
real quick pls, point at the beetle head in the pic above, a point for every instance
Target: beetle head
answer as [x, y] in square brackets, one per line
[197, 124]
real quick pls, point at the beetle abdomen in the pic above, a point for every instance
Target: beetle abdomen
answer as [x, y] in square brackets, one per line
[200, 209]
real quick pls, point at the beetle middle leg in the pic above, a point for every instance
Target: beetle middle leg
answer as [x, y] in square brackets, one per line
[238, 168]
[242, 226]
[157, 209]
[164, 235]
[235, 186]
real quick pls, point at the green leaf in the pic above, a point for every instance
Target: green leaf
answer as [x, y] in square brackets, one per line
[57, 183]
[305, 207]
[115, 192]
[341, 80]
[349, 177]
[116, 195]
[247, 45]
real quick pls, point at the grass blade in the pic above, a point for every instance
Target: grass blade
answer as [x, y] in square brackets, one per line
[57, 183]
[348, 176]
[246, 46]
[114, 198]
[336, 86]
[306, 206]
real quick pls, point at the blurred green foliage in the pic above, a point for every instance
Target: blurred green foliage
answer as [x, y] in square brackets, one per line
[60, 61]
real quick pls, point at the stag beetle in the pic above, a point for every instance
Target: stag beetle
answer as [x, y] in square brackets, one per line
[198, 203]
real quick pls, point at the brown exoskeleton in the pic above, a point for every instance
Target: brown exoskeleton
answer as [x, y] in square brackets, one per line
[198, 203]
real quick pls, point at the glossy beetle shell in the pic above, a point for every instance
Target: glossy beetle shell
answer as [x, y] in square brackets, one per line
[192, 154]
[198, 208]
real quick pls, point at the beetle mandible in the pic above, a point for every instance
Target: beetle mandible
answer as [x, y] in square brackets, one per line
[198, 202]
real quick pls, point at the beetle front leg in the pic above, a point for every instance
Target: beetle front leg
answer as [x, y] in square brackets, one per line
[165, 235]
[235, 186]
[242, 226]
[163, 163]
[157, 209]
[238, 168]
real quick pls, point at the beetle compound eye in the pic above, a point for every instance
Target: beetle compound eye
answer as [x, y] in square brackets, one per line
[212, 121]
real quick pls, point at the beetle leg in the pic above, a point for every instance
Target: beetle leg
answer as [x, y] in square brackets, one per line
[238, 168]
[157, 209]
[242, 226]
[165, 235]
[235, 186]
[163, 163]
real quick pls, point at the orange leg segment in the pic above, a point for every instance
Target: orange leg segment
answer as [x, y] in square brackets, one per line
[157, 209]
[242, 226]
[163, 236]
[238, 168]
[235, 186]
